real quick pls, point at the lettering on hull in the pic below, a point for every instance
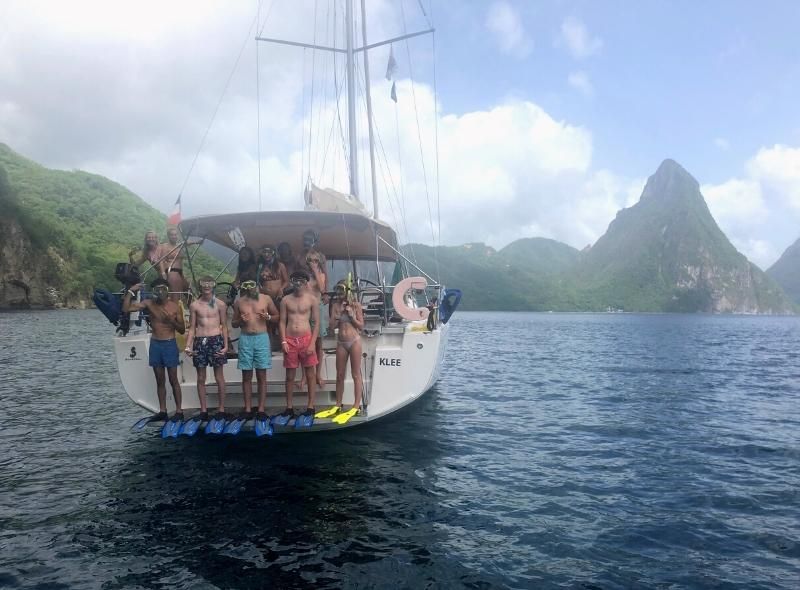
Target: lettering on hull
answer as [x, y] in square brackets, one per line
[385, 362]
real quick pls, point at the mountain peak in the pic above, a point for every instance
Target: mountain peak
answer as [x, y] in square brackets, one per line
[670, 181]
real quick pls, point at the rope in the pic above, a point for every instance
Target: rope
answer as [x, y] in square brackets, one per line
[436, 148]
[222, 96]
[313, 75]
[258, 111]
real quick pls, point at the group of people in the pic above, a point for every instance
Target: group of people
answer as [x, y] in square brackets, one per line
[165, 258]
[278, 295]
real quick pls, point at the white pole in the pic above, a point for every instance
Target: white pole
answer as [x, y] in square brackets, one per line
[369, 112]
[351, 99]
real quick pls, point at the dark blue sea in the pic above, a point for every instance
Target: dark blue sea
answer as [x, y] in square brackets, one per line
[558, 451]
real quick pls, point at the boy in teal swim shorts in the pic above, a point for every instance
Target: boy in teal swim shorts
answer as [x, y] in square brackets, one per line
[251, 312]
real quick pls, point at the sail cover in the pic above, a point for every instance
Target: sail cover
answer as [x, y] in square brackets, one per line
[327, 199]
[342, 235]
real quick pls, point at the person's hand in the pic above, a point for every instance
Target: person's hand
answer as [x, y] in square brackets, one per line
[311, 349]
[136, 288]
[222, 351]
[245, 315]
[326, 298]
[188, 351]
[263, 316]
[285, 346]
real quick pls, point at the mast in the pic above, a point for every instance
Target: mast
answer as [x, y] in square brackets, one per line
[369, 111]
[351, 99]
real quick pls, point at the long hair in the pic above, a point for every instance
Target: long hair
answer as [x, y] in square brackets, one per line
[152, 254]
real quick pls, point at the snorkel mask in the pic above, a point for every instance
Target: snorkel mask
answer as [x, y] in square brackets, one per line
[249, 289]
[268, 254]
[298, 283]
[208, 285]
[160, 292]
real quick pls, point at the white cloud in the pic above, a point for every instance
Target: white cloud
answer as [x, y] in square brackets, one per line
[580, 82]
[722, 143]
[577, 39]
[778, 168]
[509, 33]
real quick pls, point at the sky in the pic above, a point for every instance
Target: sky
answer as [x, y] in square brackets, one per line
[517, 119]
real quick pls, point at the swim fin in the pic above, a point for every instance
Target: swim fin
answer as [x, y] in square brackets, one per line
[345, 416]
[327, 413]
[305, 420]
[263, 425]
[283, 418]
[234, 427]
[216, 425]
[192, 425]
[145, 421]
[172, 426]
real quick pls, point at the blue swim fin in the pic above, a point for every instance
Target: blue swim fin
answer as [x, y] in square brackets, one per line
[192, 425]
[234, 427]
[172, 426]
[305, 420]
[216, 425]
[283, 418]
[145, 421]
[263, 425]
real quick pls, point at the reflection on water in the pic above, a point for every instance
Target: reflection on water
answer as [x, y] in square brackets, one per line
[607, 451]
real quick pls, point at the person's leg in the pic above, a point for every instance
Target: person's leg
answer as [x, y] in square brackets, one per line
[311, 378]
[290, 375]
[355, 373]
[175, 281]
[318, 371]
[161, 388]
[172, 372]
[341, 369]
[201, 388]
[219, 377]
[261, 378]
[247, 388]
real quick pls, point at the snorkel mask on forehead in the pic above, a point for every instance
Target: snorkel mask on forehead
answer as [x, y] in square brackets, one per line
[207, 284]
[161, 292]
[249, 289]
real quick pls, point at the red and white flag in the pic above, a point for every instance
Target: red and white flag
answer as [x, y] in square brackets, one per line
[175, 217]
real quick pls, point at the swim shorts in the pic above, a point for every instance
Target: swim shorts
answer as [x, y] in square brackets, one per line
[163, 353]
[297, 354]
[205, 350]
[254, 352]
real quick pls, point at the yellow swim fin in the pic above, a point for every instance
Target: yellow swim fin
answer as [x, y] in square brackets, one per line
[345, 416]
[327, 413]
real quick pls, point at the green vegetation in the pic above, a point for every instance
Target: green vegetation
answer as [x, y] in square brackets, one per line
[83, 223]
[786, 271]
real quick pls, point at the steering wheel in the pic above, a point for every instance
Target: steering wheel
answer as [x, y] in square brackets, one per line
[367, 282]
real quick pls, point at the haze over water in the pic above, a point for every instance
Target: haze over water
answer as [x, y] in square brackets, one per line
[570, 451]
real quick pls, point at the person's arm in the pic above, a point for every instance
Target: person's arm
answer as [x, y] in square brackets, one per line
[357, 316]
[282, 324]
[180, 324]
[223, 316]
[128, 305]
[283, 274]
[192, 329]
[315, 331]
[274, 314]
[236, 322]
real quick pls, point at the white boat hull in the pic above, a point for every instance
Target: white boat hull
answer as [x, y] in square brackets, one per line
[402, 362]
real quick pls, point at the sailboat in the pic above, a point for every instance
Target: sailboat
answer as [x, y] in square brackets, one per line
[406, 310]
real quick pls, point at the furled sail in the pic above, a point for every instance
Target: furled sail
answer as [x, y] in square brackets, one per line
[327, 199]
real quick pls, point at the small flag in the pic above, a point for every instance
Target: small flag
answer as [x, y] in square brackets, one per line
[391, 67]
[175, 217]
[394, 91]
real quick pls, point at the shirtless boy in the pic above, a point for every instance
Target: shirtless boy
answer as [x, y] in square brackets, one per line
[207, 342]
[314, 263]
[251, 312]
[299, 312]
[165, 319]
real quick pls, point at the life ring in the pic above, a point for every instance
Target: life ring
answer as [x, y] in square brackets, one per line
[398, 299]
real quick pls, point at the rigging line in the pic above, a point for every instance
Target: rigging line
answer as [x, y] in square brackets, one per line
[436, 151]
[425, 14]
[258, 112]
[219, 103]
[313, 74]
[266, 18]
[325, 93]
[330, 137]
[419, 136]
[303, 126]
[399, 157]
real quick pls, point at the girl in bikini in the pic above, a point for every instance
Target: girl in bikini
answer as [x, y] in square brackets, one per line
[348, 317]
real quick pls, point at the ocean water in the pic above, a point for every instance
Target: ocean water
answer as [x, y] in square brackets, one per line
[558, 451]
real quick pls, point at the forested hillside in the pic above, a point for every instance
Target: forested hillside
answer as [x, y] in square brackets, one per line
[74, 226]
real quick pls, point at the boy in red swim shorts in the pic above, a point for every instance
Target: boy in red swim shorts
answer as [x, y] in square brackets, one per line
[298, 339]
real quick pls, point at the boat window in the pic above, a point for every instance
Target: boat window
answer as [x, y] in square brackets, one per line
[365, 269]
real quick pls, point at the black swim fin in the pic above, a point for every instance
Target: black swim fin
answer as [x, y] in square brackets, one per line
[145, 421]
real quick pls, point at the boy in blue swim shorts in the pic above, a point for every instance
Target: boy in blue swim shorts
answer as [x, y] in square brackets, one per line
[165, 318]
[251, 312]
